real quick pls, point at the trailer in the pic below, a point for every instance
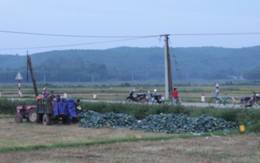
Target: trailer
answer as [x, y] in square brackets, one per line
[46, 109]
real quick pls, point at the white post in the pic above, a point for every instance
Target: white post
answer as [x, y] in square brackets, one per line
[202, 99]
[168, 71]
[19, 78]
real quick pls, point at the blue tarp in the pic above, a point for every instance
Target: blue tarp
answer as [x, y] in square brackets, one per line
[67, 108]
[64, 108]
[72, 108]
[56, 111]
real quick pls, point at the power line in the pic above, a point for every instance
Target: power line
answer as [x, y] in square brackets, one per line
[68, 35]
[124, 38]
[79, 44]
[215, 34]
[96, 36]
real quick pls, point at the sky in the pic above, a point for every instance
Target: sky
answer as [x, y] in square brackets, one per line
[103, 18]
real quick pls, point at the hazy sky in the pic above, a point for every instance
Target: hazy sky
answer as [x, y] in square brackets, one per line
[126, 18]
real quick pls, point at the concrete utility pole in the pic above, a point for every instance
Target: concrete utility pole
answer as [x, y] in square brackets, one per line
[168, 69]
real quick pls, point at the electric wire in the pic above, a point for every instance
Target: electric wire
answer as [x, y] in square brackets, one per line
[123, 38]
[69, 35]
[214, 34]
[78, 44]
[93, 36]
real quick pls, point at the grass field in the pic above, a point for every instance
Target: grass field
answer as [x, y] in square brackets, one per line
[30, 143]
[116, 93]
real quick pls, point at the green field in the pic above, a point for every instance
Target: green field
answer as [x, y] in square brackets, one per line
[120, 91]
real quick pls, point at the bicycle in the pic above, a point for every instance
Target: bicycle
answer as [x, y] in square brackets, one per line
[227, 101]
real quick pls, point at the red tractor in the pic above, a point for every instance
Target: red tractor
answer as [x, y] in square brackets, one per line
[45, 108]
[25, 112]
[43, 111]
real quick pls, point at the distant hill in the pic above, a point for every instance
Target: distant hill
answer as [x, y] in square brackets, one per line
[142, 64]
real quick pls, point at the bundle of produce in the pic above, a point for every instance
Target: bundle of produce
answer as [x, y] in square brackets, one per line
[167, 123]
[92, 119]
[181, 123]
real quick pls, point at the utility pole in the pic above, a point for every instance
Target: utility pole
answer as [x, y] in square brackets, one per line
[168, 69]
[29, 66]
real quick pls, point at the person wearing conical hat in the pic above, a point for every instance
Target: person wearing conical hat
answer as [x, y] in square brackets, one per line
[45, 92]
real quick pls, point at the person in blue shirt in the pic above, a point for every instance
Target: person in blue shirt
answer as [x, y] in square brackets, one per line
[45, 92]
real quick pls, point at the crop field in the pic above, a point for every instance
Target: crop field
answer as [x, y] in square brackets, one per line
[117, 93]
[29, 143]
[56, 143]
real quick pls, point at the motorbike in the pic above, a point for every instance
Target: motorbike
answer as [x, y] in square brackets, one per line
[139, 97]
[156, 99]
[247, 101]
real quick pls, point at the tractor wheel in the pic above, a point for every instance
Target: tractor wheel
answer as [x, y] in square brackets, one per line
[34, 116]
[46, 119]
[19, 118]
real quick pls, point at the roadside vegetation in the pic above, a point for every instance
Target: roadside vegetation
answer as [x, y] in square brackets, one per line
[248, 117]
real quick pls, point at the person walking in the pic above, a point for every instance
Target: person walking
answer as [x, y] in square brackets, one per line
[217, 90]
[175, 96]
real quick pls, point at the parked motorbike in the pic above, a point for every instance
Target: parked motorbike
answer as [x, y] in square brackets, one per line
[247, 101]
[139, 97]
[156, 99]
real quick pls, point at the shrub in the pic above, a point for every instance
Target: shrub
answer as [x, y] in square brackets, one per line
[7, 107]
[249, 118]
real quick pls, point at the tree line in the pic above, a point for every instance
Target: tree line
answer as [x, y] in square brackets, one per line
[135, 64]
